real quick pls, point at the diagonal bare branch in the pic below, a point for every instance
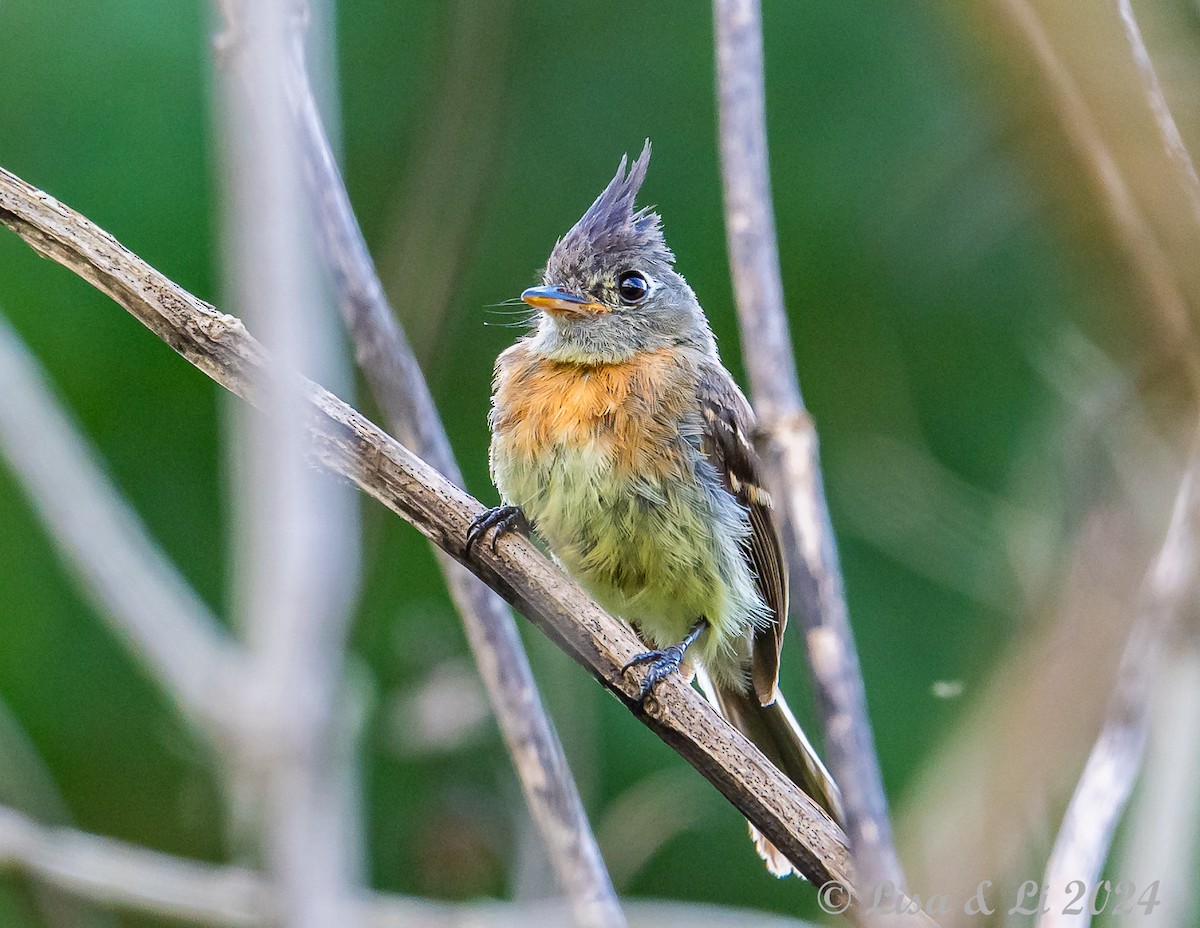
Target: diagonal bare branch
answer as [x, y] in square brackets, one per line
[350, 445]
[1167, 127]
[400, 389]
[1112, 767]
[1130, 227]
[137, 590]
[788, 440]
[1160, 837]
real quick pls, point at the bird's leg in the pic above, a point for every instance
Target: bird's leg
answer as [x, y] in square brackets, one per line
[503, 519]
[666, 660]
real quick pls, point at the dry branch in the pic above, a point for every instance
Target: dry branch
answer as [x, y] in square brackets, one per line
[1115, 760]
[396, 382]
[296, 532]
[1112, 767]
[116, 874]
[1131, 228]
[1026, 723]
[131, 878]
[137, 590]
[788, 441]
[348, 444]
[1160, 842]
[1163, 118]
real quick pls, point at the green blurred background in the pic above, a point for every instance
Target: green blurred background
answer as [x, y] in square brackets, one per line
[936, 258]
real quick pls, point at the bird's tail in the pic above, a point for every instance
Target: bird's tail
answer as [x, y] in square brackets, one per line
[777, 734]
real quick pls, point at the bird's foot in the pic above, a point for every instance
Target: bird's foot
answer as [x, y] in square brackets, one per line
[664, 661]
[503, 519]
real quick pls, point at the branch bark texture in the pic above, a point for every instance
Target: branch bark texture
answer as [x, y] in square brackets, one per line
[788, 440]
[350, 445]
[400, 390]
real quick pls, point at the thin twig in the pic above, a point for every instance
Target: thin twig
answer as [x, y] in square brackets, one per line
[1172, 140]
[296, 530]
[136, 589]
[1115, 760]
[1026, 723]
[788, 441]
[121, 875]
[130, 878]
[433, 224]
[1153, 268]
[350, 445]
[399, 388]
[1161, 831]
[1112, 767]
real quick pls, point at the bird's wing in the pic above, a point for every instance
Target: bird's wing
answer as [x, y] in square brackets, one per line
[728, 442]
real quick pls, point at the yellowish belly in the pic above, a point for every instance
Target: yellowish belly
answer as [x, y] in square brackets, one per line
[598, 459]
[645, 549]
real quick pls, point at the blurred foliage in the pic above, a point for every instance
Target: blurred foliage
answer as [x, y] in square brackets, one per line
[933, 275]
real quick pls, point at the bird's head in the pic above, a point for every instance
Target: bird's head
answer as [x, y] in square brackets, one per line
[610, 288]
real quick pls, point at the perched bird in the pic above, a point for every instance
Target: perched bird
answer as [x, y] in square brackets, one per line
[619, 437]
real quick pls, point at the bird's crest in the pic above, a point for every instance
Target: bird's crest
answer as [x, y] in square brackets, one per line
[611, 225]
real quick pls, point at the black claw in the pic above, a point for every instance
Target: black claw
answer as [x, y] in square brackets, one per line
[503, 519]
[662, 663]
[665, 661]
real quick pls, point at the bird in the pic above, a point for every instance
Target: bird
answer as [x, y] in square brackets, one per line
[621, 440]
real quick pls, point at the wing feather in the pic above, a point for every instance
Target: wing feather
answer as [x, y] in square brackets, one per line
[727, 441]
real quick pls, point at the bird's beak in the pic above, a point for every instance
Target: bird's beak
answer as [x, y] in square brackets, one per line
[556, 301]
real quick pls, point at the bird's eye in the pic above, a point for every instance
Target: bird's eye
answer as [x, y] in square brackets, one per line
[632, 287]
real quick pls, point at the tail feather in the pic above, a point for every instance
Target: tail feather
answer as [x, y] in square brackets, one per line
[775, 731]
